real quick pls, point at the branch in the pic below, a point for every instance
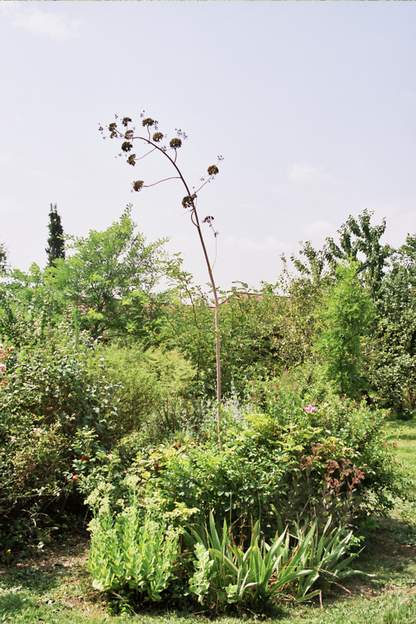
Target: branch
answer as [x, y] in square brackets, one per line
[146, 154]
[160, 181]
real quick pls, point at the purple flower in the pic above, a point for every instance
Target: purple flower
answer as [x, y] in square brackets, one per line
[310, 409]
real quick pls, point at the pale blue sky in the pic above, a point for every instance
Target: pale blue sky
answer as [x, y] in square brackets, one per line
[313, 106]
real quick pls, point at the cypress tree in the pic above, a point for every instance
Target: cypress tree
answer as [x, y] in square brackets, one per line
[3, 258]
[56, 243]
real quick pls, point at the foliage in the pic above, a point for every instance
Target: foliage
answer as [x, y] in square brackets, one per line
[132, 554]
[391, 353]
[263, 333]
[3, 258]
[360, 241]
[345, 316]
[56, 242]
[52, 415]
[152, 387]
[262, 573]
[105, 286]
[136, 558]
[293, 463]
[104, 272]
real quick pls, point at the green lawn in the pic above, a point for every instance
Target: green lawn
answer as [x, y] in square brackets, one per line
[55, 589]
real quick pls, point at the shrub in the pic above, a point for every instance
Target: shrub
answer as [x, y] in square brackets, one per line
[151, 387]
[333, 460]
[53, 416]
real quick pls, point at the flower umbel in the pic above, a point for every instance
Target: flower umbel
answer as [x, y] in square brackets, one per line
[310, 409]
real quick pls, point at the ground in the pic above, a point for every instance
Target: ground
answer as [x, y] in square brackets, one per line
[54, 587]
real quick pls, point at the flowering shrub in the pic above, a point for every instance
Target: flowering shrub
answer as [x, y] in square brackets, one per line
[47, 398]
[332, 461]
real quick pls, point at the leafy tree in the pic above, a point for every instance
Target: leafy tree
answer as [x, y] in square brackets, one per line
[392, 350]
[106, 272]
[345, 316]
[359, 240]
[56, 242]
[310, 263]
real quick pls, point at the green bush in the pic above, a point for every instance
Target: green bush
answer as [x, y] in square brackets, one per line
[49, 405]
[309, 460]
[151, 387]
[64, 404]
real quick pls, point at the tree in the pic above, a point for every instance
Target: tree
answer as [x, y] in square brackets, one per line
[359, 240]
[392, 350]
[56, 242]
[157, 142]
[345, 316]
[3, 258]
[310, 263]
[106, 271]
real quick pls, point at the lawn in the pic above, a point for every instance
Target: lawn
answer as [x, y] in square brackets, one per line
[54, 587]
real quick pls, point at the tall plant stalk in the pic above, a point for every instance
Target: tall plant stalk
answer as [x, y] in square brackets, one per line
[154, 140]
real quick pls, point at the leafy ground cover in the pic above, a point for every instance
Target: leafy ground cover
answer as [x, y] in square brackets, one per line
[54, 587]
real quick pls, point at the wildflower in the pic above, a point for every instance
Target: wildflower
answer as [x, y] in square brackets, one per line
[3, 369]
[310, 409]
[74, 477]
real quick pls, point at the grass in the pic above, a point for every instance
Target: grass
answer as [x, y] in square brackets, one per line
[54, 588]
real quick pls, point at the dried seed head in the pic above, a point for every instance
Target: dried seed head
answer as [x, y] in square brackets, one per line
[129, 134]
[113, 129]
[138, 185]
[209, 219]
[213, 170]
[148, 121]
[188, 200]
[132, 159]
[126, 146]
[126, 121]
[158, 136]
[175, 143]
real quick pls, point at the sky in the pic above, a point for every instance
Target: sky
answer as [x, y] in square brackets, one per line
[311, 104]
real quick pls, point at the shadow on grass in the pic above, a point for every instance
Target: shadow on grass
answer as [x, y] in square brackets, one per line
[12, 604]
[389, 555]
[33, 579]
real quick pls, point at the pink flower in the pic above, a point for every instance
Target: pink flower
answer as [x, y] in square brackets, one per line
[310, 409]
[3, 369]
